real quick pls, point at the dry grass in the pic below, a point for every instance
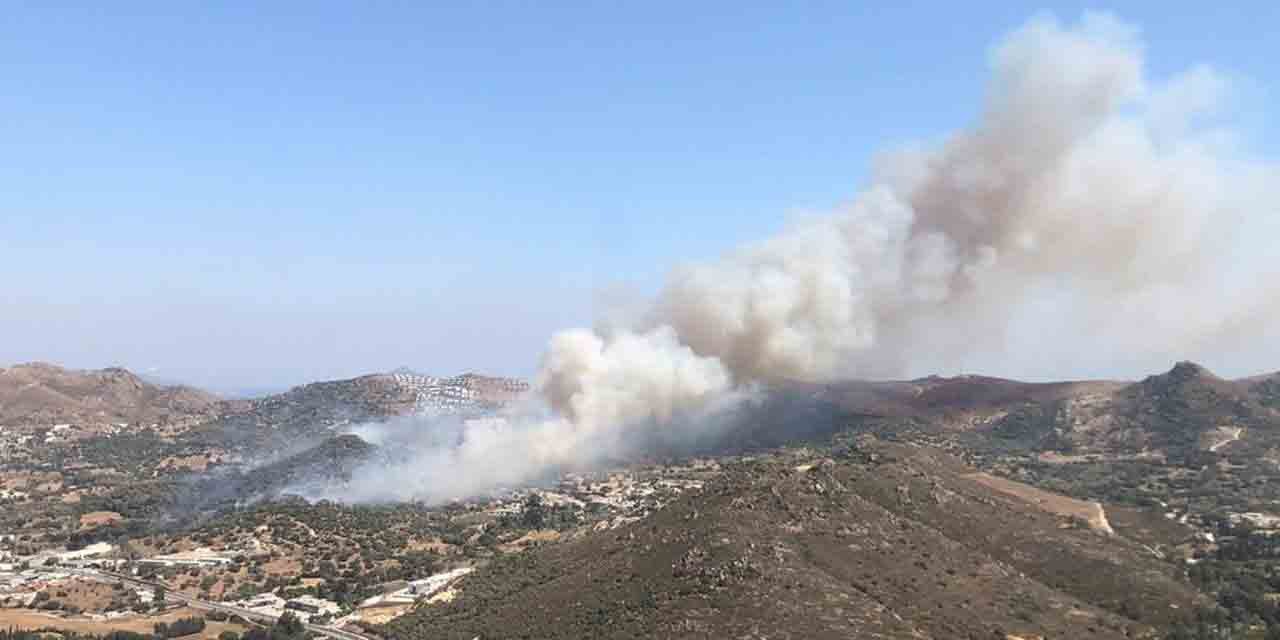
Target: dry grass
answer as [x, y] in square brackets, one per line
[532, 538]
[383, 615]
[198, 462]
[86, 595]
[27, 481]
[1053, 457]
[285, 566]
[98, 519]
[32, 619]
[435, 545]
[1054, 503]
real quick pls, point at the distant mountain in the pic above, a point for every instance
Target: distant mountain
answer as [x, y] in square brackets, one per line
[248, 393]
[45, 394]
[954, 400]
[1180, 412]
[39, 395]
[1266, 389]
[224, 392]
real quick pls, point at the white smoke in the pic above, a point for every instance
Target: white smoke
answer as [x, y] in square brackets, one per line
[1091, 217]
[1084, 185]
[434, 458]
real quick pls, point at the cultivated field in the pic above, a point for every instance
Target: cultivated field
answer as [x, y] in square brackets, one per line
[33, 619]
[1091, 512]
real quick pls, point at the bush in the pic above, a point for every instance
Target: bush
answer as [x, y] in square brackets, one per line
[180, 627]
[290, 625]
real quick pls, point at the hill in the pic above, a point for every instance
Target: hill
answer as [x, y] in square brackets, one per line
[954, 400]
[963, 507]
[320, 409]
[1181, 412]
[329, 462]
[882, 540]
[40, 394]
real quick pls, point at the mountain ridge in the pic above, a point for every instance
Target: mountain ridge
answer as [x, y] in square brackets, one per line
[1178, 408]
[45, 393]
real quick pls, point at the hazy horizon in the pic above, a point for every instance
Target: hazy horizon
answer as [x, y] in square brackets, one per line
[266, 197]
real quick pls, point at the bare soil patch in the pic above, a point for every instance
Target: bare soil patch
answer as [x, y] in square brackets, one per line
[32, 619]
[99, 519]
[1091, 512]
[189, 463]
[86, 595]
[530, 539]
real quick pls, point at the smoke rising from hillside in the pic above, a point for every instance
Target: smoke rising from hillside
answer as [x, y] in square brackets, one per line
[1088, 205]
[1083, 188]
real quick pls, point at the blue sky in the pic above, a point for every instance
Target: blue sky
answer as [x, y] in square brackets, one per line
[241, 196]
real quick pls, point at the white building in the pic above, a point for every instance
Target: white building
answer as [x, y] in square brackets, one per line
[90, 551]
[313, 606]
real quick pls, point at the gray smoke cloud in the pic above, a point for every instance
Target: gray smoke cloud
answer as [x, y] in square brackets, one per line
[1091, 217]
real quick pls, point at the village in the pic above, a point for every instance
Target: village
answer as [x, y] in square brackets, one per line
[112, 583]
[95, 584]
[458, 394]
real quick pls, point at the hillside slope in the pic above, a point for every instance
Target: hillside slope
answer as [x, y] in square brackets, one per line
[885, 541]
[1184, 411]
[318, 410]
[44, 394]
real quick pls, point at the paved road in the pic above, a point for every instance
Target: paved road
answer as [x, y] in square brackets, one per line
[1235, 435]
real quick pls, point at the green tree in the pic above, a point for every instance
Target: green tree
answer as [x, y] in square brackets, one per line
[534, 512]
[290, 625]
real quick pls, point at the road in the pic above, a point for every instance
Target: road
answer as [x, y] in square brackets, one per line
[1235, 435]
[195, 603]
[1100, 522]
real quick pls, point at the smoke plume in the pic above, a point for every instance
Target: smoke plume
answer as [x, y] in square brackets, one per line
[1083, 186]
[1091, 219]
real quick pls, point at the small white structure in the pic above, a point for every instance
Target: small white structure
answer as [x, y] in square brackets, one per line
[433, 584]
[90, 551]
[418, 589]
[313, 606]
[202, 557]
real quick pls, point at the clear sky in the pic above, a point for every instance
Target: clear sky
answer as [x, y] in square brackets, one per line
[260, 194]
